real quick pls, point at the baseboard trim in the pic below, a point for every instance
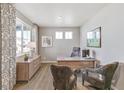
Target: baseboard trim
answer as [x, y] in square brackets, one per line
[48, 61]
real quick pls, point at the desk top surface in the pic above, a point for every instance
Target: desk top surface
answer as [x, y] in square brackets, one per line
[75, 59]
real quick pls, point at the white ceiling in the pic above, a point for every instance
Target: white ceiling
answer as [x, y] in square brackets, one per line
[59, 14]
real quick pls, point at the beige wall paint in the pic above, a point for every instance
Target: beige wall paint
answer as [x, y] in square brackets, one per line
[60, 47]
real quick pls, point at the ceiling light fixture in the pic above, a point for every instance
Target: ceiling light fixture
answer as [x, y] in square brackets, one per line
[60, 19]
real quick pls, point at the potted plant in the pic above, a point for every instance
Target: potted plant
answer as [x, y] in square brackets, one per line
[25, 57]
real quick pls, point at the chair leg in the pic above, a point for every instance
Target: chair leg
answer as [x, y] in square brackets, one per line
[75, 85]
[109, 88]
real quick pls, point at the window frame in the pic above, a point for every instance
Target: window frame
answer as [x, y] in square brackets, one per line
[71, 35]
[59, 32]
[22, 30]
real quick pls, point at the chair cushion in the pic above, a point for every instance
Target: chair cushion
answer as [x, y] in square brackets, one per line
[96, 75]
[96, 82]
[102, 82]
[63, 77]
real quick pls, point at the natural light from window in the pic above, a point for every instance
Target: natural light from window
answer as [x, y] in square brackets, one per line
[59, 35]
[23, 37]
[68, 35]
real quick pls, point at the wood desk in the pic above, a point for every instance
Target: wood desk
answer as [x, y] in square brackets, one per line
[77, 62]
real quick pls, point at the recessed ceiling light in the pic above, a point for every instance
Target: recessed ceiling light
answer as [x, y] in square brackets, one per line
[59, 17]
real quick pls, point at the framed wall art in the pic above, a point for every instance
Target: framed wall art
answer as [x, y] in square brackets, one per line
[94, 38]
[46, 41]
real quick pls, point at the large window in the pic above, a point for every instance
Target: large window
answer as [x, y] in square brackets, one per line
[23, 37]
[18, 39]
[26, 39]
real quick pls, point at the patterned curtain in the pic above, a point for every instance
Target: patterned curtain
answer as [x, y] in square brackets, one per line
[8, 32]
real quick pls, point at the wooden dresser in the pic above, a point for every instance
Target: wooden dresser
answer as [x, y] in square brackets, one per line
[26, 69]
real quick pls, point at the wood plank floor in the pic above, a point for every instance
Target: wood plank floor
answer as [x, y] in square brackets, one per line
[42, 80]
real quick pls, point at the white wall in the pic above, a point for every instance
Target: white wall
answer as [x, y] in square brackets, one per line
[111, 19]
[60, 47]
[22, 17]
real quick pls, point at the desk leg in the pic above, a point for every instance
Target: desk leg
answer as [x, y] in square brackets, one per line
[94, 64]
[83, 78]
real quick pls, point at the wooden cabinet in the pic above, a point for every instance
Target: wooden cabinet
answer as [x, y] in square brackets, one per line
[26, 69]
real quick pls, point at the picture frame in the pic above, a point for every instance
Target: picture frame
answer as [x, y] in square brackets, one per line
[94, 38]
[47, 41]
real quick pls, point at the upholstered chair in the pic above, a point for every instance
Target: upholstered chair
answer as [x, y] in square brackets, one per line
[75, 52]
[63, 77]
[101, 78]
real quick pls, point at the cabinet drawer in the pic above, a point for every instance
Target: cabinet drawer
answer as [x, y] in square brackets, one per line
[77, 64]
[22, 72]
[31, 70]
